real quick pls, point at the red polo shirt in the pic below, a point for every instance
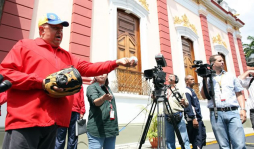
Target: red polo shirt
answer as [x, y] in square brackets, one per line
[25, 66]
[78, 102]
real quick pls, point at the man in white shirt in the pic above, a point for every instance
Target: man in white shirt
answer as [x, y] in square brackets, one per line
[246, 80]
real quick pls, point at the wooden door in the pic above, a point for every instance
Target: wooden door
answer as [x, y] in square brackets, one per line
[128, 44]
[188, 56]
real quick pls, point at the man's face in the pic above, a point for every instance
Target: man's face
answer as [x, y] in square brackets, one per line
[171, 79]
[190, 81]
[52, 34]
[219, 63]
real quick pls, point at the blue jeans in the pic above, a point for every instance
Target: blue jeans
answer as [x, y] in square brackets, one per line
[98, 143]
[170, 135]
[72, 138]
[228, 129]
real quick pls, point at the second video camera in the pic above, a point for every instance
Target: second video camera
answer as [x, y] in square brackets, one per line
[203, 70]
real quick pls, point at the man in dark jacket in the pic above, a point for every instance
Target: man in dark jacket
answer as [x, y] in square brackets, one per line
[195, 127]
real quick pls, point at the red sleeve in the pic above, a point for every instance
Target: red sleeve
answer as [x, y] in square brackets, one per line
[11, 67]
[82, 102]
[3, 98]
[88, 69]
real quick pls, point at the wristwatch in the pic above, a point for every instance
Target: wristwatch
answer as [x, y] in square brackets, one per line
[243, 109]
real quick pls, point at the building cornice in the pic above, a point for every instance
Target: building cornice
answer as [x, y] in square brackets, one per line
[218, 10]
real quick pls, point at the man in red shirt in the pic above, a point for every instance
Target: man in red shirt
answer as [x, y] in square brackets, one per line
[32, 116]
[3, 99]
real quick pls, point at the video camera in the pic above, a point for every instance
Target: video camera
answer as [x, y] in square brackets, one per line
[203, 70]
[157, 73]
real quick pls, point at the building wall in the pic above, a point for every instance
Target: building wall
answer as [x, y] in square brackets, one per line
[238, 54]
[214, 31]
[62, 9]
[15, 23]
[99, 41]
[100, 31]
[179, 10]
[80, 35]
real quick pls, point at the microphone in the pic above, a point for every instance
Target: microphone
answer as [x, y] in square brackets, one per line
[4, 85]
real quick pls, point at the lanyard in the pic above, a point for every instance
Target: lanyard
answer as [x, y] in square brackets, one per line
[111, 107]
[219, 82]
[111, 113]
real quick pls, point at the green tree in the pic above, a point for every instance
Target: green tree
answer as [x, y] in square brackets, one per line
[249, 48]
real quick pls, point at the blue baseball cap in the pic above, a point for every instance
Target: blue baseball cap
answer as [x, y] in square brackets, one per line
[53, 19]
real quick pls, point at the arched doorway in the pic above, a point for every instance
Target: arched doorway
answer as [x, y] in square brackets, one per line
[189, 57]
[128, 44]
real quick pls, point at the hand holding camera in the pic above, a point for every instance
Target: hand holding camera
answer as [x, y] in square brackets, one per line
[203, 70]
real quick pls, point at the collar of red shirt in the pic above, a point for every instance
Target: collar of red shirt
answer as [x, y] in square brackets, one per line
[41, 42]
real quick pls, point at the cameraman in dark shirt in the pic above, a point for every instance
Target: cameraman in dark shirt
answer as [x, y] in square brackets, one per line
[195, 126]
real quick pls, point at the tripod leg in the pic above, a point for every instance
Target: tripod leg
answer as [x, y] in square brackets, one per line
[161, 129]
[148, 122]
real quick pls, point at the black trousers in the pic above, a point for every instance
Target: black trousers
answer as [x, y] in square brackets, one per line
[30, 138]
[197, 137]
[252, 117]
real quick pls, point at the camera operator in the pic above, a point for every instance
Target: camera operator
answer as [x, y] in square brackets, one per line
[177, 109]
[195, 127]
[246, 79]
[227, 127]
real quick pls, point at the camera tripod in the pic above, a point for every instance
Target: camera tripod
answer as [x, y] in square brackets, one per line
[160, 97]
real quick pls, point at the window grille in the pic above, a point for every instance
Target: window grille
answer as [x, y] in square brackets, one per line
[130, 82]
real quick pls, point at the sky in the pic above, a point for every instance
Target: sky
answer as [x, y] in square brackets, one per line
[245, 8]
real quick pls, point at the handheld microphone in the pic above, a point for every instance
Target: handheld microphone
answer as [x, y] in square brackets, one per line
[4, 85]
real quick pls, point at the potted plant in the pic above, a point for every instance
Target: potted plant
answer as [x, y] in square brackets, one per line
[152, 132]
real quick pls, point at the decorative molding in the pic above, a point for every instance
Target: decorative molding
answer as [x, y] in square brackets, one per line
[144, 4]
[217, 40]
[221, 49]
[238, 35]
[185, 22]
[202, 10]
[230, 30]
[132, 6]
